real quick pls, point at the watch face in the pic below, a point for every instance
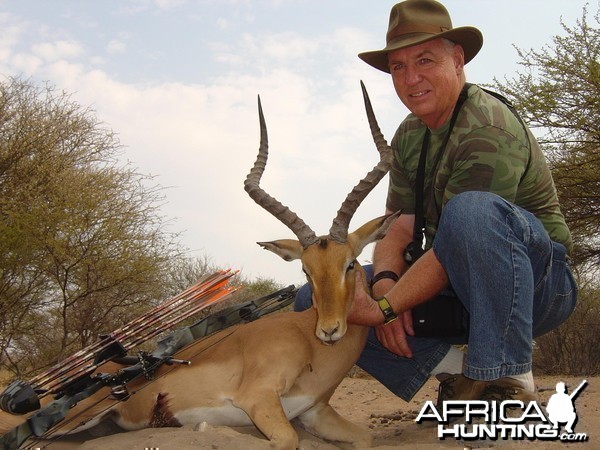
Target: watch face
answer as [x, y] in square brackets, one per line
[386, 309]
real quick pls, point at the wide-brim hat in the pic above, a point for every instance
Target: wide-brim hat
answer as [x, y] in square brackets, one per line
[414, 22]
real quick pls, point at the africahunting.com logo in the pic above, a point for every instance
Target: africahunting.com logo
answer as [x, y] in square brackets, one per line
[507, 420]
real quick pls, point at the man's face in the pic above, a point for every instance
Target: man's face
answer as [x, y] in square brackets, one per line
[428, 79]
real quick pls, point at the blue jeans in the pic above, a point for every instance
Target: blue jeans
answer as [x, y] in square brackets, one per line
[513, 279]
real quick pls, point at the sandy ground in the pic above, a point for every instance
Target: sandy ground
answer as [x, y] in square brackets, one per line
[363, 401]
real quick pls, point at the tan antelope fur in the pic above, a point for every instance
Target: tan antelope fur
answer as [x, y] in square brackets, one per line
[281, 367]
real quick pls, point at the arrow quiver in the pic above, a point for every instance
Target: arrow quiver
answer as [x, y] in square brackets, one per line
[22, 397]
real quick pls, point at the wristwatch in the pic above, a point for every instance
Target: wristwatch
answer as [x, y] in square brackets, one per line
[388, 313]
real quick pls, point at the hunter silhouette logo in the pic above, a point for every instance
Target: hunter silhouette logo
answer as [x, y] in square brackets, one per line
[508, 419]
[561, 408]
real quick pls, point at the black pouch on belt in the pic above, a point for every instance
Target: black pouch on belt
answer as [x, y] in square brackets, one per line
[442, 316]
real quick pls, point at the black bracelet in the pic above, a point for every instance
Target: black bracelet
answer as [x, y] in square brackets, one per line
[383, 275]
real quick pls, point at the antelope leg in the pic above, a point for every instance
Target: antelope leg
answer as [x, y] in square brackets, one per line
[323, 421]
[265, 410]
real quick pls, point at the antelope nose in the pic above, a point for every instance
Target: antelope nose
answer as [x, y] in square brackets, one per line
[331, 332]
[329, 335]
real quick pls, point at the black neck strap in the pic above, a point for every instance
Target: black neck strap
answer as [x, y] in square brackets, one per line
[419, 228]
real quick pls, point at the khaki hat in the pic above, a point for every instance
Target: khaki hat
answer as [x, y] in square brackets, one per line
[414, 22]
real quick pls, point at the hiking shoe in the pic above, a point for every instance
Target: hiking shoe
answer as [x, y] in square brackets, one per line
[508, 389]
[459, 387]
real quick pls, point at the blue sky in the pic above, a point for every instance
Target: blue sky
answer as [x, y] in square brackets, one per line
[177, 80]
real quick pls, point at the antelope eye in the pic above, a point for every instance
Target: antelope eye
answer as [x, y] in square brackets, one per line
[351, 266]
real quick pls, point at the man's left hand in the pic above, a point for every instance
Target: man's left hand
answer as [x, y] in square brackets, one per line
[393, 335]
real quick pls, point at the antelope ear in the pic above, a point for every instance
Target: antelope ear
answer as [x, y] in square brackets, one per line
[372, 231]
[288, 249]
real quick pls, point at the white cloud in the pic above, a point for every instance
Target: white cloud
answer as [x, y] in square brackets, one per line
[116, 46]
[290, 48]
[223, 23]
[133, 7]
[58, 50]
[24, 63]
[168, 4]
[10, 31]
[281, 46]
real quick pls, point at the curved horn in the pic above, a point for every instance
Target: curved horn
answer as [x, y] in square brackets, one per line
[290, 219]
[339, 229]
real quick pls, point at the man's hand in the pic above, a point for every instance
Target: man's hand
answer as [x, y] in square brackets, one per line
[365, 311]
[393, 335]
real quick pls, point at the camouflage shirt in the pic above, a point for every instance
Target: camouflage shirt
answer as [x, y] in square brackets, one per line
[489, 150]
